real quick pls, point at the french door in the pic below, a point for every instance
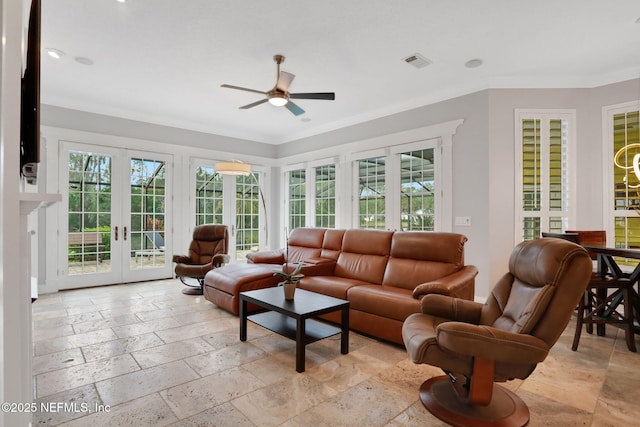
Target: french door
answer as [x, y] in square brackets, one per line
[115, 225]
[236, 201]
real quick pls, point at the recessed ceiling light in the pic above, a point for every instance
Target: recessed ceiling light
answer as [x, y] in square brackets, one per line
[473, 63]
[305, 119]
[54, 53]
[121, 1]
[84, 61]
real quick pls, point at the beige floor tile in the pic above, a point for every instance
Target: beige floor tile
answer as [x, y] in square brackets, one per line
[225, 415]
[76, 376]
[120, 346]
[272, 405]
[136, 384]
[42, 334]
[146, 411]
[202, 394]
[54, 345]
[66, 405]
[169, 352]
[369, 403]
[225, 358]
[94, 325]
[65, 320]
[144, 327]
[54, 361]
[193, 330]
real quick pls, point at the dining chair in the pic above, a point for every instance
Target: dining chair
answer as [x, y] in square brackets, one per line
[607, 300]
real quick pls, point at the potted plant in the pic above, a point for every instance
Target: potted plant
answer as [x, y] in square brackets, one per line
[291, 279]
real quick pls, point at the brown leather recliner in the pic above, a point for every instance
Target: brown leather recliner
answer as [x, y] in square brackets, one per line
[208, 250]
[477, 345]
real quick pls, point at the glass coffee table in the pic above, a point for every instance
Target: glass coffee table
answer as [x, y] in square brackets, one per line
[295, 319]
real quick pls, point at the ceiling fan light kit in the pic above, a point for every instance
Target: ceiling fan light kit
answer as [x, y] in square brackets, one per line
[279, 96]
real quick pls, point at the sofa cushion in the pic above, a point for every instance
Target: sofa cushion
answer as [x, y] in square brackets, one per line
[332, 243]
[391, 303]
[305, 243]
[419, 257]
[364, 255]
[332, 286]
[232, 278]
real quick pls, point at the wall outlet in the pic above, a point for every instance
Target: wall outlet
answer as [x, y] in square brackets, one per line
[464, 221]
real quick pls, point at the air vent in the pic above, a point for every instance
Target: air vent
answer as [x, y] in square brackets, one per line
[417, 60]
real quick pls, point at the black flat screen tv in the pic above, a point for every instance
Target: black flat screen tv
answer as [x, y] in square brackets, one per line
[30, 100]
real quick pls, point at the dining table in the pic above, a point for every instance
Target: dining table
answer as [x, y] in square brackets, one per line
[608, 263]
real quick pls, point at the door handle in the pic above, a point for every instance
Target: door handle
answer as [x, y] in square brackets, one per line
[233, 230]
[124, 233]
[116, 233]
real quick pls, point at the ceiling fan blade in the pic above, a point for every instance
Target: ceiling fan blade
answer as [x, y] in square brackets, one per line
[284, 80]
[320, 95]
[243, 88]
[253, 104]
[294, 108]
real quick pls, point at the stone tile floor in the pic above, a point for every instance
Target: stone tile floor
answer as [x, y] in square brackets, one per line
[156, 357]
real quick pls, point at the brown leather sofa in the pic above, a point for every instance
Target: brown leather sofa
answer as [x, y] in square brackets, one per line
[383, 274]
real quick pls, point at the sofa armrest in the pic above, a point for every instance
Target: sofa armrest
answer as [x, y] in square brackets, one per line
[181, 259]
[266, 257]
[455, 309]
[460, 284]
[491, 343]
[318, 267]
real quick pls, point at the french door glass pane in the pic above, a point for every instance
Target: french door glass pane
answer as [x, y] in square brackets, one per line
[371, 179]
[297, 197]
[326, 196]
[247, 215]
[417, 182]
[148, 190]
[89, 219]
[208, 196]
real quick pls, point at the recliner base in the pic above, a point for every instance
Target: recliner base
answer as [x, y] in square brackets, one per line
[193, 290]
[505, 410]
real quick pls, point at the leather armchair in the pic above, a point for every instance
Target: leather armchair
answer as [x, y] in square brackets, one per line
[208, 250]
[479, 344]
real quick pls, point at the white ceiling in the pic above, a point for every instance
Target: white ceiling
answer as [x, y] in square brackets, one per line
[163, 61]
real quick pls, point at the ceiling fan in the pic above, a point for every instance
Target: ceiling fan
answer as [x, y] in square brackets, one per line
[279, 95]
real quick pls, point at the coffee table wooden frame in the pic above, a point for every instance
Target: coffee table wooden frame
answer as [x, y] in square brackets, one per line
[295, 319]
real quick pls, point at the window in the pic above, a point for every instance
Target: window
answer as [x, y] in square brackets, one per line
[247, 215]
[208, 196]
[371, 193]
[325, 196]
[417, 190]
[400, 187]
[623, 160]
[310, 195]
[297, 198]
[544, 174]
